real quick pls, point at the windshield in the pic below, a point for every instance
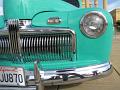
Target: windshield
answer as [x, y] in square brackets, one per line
[73, 2]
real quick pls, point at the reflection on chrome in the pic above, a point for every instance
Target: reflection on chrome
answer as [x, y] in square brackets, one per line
[69, 76]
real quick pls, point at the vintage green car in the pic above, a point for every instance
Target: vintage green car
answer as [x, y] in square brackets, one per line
[53, 43]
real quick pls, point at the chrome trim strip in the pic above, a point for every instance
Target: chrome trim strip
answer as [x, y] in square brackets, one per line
[62, 77]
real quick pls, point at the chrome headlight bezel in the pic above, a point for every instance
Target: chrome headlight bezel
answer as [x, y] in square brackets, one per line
[100, 15]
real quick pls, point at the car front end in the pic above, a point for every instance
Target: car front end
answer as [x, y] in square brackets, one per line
[51, 45]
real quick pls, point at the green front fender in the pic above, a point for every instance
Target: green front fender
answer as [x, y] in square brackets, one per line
[91, 51]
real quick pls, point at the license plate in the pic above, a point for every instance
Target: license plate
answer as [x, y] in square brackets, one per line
[12, 76]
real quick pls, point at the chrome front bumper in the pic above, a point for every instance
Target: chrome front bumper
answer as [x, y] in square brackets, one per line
[69, 76]
[63, 77]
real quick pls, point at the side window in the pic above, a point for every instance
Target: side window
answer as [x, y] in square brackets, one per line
[73, 2]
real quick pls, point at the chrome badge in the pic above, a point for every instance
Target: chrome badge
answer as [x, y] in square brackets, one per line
[54, 20]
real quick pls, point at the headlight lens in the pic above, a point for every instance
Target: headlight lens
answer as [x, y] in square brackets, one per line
[93, 24]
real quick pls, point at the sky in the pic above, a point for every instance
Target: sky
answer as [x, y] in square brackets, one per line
[112, 4]
[1, 10]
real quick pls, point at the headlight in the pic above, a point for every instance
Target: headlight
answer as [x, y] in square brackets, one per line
[93, 24]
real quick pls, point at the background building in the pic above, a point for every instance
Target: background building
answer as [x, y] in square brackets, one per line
[89, 3]
[115, 14]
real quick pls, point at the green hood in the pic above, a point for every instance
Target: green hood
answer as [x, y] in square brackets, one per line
[26, 9]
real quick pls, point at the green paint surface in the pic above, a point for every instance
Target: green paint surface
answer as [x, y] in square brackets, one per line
[88, 51]
[26, 9]
[2, 24]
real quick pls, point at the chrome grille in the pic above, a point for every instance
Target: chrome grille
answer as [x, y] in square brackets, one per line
[39, 44]
[4, 45]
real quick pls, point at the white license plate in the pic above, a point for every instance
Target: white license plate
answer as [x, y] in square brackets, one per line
[12, 76]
